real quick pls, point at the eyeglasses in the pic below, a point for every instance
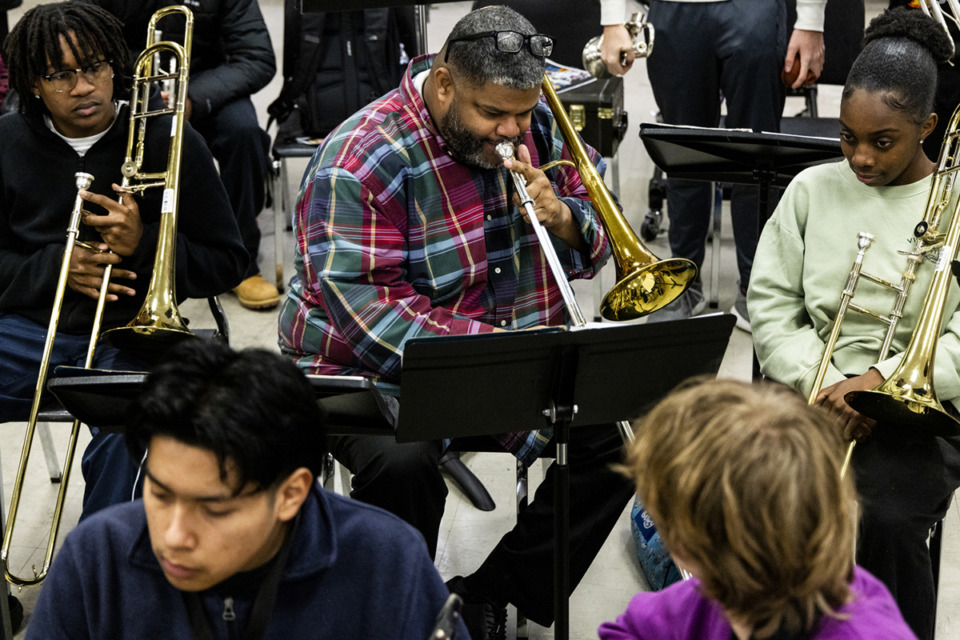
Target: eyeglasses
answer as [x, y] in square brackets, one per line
[66, 79]
[510, 42]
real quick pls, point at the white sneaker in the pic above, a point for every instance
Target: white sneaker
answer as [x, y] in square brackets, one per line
[690, 303]
[739, 309]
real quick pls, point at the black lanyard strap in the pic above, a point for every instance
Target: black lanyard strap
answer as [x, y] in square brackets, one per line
[262, 605]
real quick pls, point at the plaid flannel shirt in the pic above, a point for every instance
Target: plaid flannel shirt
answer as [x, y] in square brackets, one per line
[396, 239]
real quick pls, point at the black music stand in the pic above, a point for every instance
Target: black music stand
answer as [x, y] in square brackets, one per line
[98, 397]
[551, 377]
[736, 155]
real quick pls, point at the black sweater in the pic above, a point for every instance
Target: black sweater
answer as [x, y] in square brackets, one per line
[37, 192]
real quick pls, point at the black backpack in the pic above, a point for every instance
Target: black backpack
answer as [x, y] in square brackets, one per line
[335, 63]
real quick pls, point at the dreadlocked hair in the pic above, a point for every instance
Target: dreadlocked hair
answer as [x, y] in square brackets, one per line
[901, 50]
[33, 46]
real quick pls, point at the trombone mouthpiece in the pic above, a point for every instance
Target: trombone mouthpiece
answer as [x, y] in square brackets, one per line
[83, 180]
[505, 150]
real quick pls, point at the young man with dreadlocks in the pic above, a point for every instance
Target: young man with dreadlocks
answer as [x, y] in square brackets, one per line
[65, 61]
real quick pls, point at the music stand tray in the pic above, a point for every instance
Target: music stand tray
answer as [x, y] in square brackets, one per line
[735, 155]
[101, 398]
[449, 386]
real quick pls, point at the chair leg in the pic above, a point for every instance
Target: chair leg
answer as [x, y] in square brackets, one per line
[451, 464]
[327, 472]
[220, 317]
[714, 295]
[49, 452]
[279, 215]
[523, 631]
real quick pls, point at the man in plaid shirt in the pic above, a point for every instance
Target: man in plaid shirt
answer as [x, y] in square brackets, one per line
[407, 226]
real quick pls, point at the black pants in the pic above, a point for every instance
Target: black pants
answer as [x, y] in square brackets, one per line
[405, 479]
[730, 51]
[242, 150]
[905, 482]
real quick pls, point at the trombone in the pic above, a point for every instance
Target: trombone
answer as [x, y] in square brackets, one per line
[908, 393]
[932, 9]
[83, 181]
[159, 317]
[644, 283]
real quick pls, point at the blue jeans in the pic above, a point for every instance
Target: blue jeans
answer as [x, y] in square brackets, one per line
[730, 51]
[107, 469]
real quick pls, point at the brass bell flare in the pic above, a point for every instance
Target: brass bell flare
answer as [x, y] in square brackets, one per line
[923, 413]
[647, 288]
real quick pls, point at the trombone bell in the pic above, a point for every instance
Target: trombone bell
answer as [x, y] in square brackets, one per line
[647, 288]
[644, 283]
[916, 409]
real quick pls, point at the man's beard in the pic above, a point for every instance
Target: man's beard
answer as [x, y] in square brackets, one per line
[468, 148]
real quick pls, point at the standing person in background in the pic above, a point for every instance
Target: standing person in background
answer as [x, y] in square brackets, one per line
[232, 59]
[906, 479]
[708, 52]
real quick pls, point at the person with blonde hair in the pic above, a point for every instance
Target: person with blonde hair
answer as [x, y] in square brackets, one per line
[743, 483]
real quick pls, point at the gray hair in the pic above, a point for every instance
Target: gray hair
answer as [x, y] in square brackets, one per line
[480, 62]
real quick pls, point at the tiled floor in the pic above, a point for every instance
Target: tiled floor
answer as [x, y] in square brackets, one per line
[467, 534]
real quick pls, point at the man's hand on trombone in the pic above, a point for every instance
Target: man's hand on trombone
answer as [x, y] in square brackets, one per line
[551, 211]
[855, 425]
[86, 272]
[121, 227]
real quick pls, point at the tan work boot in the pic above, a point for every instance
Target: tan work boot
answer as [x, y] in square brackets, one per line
[257, 293]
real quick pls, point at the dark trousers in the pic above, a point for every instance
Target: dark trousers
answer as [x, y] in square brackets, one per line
[108, 472]
[707, 52]
[905, 482]
[242, 150]
[405, 479]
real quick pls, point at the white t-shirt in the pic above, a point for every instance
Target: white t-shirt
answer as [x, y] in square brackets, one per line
[82, 145]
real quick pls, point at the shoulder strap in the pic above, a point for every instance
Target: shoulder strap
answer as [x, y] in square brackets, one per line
[381, 59]
[296, 77]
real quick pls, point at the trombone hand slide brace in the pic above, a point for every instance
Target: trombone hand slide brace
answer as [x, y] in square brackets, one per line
[83, 181]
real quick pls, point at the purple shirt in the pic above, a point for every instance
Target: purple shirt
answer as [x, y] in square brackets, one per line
[681, 612]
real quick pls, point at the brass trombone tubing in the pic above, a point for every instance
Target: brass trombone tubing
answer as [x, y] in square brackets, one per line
[932, 9]
[639, 274]
[83, 181]
[505, 150]
[159, 317]
[645, 283]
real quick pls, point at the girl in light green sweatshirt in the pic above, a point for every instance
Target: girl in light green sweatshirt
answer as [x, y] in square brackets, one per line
[905, 479]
